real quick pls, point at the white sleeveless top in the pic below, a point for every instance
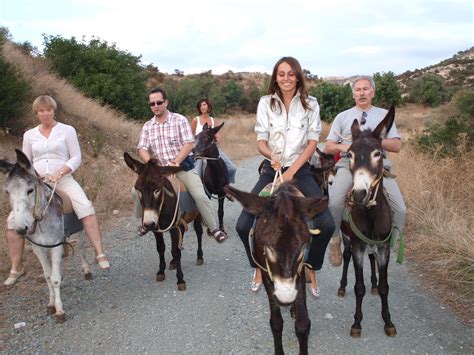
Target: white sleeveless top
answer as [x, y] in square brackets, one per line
[199, 125]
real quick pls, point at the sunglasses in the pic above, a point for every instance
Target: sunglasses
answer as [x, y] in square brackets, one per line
[156, 103]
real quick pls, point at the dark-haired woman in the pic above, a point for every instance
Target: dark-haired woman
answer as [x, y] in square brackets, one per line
[288, 127]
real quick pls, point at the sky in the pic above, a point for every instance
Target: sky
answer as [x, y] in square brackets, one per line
[329, 38]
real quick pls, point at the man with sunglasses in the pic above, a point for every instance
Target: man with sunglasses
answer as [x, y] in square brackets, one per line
[168, 138]
[339, 140]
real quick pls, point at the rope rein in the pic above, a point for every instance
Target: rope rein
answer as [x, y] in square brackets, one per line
[173, 220]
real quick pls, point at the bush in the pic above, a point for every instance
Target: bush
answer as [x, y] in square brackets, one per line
[387, 90]
[464, 101]
[332, 99]
[429, 90]
[14, 95]
[447, 139]
[101, 71]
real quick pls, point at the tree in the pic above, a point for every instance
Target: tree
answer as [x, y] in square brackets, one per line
[101, 71]
[429, 90]
[387, 90]
[332, 99]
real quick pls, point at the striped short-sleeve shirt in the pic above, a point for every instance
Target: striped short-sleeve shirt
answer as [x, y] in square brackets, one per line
[165, 140]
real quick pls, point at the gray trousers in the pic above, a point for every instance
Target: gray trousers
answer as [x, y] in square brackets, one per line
[193, 184]
[342, 183]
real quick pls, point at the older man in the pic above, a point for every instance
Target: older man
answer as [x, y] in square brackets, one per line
[339, 141]
[167, 137]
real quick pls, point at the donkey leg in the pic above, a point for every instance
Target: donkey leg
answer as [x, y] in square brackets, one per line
[56, 262]
[373, 275]
[302, 323]
[359, 288]
[276, 320]
[176, 252]
[82, 255]
[220, 212]
[198, 229]
[160, 247]
[41, 253]
[382, 259]
[346, 255]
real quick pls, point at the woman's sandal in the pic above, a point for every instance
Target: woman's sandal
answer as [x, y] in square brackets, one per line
[14, 275]
[219, 235]
[256, 286]
[103, 264]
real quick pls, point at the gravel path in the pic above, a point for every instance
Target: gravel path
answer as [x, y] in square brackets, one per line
[127, 311]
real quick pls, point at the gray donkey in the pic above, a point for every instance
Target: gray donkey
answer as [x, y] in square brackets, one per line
[38, 217]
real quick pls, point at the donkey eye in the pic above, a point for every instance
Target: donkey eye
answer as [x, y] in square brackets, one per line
[156, 193]
[349, 155]
[377, 154]
[29, 191]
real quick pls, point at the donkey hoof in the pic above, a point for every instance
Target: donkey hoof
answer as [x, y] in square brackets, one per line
[355, 332]
[50, 310]
[374, 291]
[341, 292]
[391, 331]
[160, 277]
[60, 318]
[182, 287]
[88, 276]
[199, 261]
[172, 266]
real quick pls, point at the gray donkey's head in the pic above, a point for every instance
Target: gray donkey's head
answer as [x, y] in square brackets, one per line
[22, 188]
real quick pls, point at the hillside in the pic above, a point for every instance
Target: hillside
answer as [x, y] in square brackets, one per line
[457, 71]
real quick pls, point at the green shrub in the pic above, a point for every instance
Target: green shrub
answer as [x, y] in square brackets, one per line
[464, 101]
[387, 90]
[332, 99]
[14, 95]
[101, 71]
[429, 90]
[447, 139]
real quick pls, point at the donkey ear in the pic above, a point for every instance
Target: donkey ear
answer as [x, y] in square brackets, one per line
[216, 129]
[311, 206]
[169, 170]
[251, 202]
[355, 129]
[384, 127]
[133, 164]
[6, 166]
[205, 127]
[23, 161]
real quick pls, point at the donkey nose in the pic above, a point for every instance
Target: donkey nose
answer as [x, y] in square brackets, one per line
[149, 226]
[22, 231]
[359, 195]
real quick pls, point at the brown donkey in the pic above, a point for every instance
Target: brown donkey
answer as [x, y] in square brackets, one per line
[367, 226]
[279, 242]
[160, 213]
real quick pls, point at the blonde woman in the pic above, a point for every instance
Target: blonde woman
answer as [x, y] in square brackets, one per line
[53, 149]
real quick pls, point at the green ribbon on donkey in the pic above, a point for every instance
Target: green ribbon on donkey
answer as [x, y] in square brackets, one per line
[347, 216]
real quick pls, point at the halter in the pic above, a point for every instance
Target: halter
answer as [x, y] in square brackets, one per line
[373, 191]
[173, 220]
[38, 217]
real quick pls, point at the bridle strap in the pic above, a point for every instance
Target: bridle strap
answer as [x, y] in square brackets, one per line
[174, 222]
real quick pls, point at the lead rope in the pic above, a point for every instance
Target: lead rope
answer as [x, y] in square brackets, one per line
[176, 189]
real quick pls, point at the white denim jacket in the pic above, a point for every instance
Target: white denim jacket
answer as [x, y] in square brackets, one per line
[287, 133]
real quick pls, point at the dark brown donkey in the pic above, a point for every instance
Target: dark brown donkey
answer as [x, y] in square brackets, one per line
[324, 174]
[160, 213]
[278, 246]
[368, 223]
[214, 176]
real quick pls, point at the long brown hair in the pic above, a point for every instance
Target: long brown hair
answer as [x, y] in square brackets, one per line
[300, 85]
